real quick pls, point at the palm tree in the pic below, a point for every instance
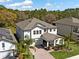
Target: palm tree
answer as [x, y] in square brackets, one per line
[68, 39]
[23, 48]
[28, 42]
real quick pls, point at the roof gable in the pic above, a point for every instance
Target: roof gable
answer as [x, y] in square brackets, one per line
[6, 35]
[50, 37]
[69, 21]
[30, 23]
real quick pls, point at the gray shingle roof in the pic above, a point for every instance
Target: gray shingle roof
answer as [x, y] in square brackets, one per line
[50, 37]
[7, 35]
[30, 23]
[69, 21]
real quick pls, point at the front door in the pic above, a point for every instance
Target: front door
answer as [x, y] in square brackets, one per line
[44, 43]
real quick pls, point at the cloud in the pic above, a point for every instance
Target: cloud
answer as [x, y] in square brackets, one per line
[77, 5]
[24, 3]
[4, 0]
[48, 4]
[27, 4]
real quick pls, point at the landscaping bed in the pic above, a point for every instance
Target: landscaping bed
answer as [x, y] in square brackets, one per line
[64, 54]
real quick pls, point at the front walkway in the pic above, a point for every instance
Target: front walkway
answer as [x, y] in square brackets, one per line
[74, 57]
[42, 54]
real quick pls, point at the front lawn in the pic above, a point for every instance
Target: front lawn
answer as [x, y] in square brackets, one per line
[64, 54]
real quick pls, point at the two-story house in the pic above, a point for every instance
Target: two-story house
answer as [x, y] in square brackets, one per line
[68, 25]
[7, 43]
[35, 28]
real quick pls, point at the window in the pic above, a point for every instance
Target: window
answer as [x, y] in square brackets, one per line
[3, 45]
[53, 29]
[40, 31]
[56, 41]
[50, 30]
[37, 32]
[26, 36]
[34, 32]
[44, 30]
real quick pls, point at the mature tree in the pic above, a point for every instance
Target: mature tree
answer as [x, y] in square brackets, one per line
[49, 18]
[2, 24]
[2, 7]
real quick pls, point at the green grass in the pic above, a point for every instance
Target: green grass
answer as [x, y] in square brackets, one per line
[64, 54]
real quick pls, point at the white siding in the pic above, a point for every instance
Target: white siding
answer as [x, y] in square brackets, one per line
[8, 46]
[52, 32]
[31, 34]
[26, 33]
[36, 35]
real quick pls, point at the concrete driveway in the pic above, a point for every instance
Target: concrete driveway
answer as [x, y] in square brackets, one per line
[42, 54]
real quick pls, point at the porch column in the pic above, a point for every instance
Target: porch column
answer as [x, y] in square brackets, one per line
[63, 41]
[47, 44]
[54, 42]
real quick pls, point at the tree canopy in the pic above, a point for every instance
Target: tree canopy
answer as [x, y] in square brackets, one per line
[10, 16]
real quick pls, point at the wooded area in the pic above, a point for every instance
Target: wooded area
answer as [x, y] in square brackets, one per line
[9, 17]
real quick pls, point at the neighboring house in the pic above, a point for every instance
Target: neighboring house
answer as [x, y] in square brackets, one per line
[68, 25]
[35, 28]
[7, 41]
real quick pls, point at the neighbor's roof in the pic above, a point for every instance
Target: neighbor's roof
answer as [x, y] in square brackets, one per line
[69, 21]
[7, 35]
[50, 37]
[30, 23]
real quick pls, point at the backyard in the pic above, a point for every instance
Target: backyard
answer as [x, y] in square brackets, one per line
[63, 54]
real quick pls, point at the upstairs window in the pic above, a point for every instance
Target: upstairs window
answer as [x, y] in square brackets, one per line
[37, 32]
[44, 30]
[34, 32]
[50, 30]
[40, 31]
[53, 29]
[3, 45]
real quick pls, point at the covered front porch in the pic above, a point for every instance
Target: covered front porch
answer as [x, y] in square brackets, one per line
[51, 40]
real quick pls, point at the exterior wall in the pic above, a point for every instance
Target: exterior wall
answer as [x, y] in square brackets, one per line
[19, 33]
[8, 46]
[27, 33]
[57, 41]
[52, 32]
[30, 33]
[63, 29]
[35, 36]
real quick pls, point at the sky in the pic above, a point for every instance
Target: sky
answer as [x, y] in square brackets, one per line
[38, 4]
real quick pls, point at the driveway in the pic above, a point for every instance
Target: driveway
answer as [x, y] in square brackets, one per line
[42, 54]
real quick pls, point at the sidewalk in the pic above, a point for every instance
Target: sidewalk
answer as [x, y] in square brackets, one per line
[74, 57]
